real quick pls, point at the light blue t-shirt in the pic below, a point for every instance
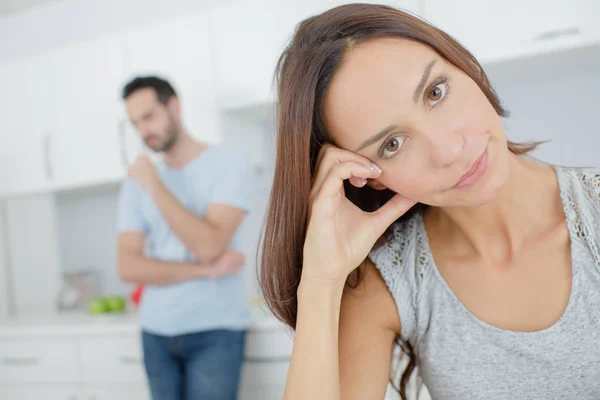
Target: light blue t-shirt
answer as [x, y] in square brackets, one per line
[218, 175]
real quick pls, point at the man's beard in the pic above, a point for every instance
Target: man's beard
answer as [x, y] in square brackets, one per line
[170, 139]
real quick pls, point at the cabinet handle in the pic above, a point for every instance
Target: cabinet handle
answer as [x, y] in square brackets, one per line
[47, 143]
[123, 144]
[20, 361]
[557, 33]
[130, 360]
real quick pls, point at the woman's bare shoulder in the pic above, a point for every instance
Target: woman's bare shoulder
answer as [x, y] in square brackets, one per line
[371, 299]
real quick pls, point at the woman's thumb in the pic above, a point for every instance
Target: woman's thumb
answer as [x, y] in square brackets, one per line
[390, 212]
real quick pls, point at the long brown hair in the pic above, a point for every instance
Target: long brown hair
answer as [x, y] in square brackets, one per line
[303, 74]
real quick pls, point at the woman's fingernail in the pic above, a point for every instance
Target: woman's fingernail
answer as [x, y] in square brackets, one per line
[363, 182]
[376, 168]
[373, 167]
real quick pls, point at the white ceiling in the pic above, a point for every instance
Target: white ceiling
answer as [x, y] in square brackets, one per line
[8, 7]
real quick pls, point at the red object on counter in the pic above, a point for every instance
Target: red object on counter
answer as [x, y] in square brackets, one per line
[136, 295]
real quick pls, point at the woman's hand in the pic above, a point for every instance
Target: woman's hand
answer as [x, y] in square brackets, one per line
[340, 235]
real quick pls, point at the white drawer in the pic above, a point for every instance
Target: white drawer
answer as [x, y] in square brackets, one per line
[39, 360]
[113, 359]
[268, 345]
[40, 392]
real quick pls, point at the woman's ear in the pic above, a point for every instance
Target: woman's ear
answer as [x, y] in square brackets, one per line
[375, 184]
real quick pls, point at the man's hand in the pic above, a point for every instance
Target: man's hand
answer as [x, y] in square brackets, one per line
[228, 264]
[144, 172]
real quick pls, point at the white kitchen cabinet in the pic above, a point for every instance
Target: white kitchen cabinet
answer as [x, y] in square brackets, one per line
[5, 293]
[178, 50]
[263, 380]
[504, 29]
[39, 361]
[84, 81]
[39, 393]
[249, 39]
[61, 117]
[25, 160]
[112, 359]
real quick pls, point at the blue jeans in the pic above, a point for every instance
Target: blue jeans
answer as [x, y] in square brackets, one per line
[196, 366]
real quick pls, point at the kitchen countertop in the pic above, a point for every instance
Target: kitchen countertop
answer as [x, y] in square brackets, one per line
[75, 323]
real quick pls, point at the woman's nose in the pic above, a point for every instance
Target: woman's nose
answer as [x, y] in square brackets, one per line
[446, 148]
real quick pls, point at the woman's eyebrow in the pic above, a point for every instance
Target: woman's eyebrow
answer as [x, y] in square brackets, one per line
[423, 81]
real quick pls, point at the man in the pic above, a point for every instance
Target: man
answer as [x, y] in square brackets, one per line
[187, 208]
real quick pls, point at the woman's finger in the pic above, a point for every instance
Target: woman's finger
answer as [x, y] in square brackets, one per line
[334, 181]
[330, 156]
[358, 182]
[347, 170]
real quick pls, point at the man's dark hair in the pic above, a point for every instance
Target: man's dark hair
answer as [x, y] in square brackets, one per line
[164, 90]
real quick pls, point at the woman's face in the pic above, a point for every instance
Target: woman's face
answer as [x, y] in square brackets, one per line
[424, 122]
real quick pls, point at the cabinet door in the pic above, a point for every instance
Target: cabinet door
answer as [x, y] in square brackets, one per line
[38, 361]
[113, 359]
[263, 380]
[85, 82]
[5, 295]
[38, 393]
[24, 103]
[498, 30]
[249, 39]
[178, 50]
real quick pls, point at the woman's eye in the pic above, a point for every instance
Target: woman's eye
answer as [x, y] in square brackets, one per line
[393, 146]
[436, 94]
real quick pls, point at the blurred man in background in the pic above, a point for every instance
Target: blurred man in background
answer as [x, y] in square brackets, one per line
[187, 208]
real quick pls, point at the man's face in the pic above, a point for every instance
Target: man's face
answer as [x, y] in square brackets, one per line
[155, 122]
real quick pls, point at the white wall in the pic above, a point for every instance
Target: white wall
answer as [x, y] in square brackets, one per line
[87, 221]
[33, 253]
[554, 98]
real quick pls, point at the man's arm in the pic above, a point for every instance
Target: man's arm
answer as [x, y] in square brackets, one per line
[206, 238]
[134, 267]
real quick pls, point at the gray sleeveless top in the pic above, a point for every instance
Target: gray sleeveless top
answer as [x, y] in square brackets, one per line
[461, 357]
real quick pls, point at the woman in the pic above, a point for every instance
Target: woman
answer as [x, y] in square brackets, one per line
[399, 211]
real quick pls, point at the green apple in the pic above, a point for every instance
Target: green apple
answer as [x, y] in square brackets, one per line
[115, 303]
[97, 306]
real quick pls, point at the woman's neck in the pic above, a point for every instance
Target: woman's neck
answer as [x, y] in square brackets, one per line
[528, 205]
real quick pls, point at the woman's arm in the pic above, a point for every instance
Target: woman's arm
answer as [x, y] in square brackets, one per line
[313, 372]
[338, 239]
[344, 340]
[369, 325]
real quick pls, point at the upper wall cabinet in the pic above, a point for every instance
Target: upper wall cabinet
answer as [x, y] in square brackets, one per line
[60, 123]
[179, 51]
[84, 85]
[500, 30]
[249, 38]
[24, 126]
